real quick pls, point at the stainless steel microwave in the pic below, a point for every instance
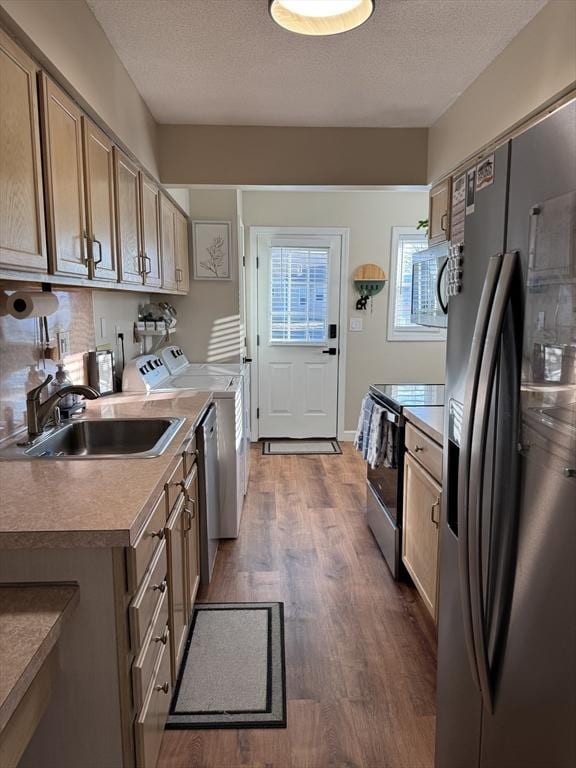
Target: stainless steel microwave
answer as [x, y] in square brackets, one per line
[429, 296]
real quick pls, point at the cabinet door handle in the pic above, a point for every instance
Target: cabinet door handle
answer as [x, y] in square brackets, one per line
[161, 638]
[435, 505]
[97, 261]
[147, 258]
[160, 587]
[178, 275]
[444, 222]
[159, 534]
[164, 688]
[418, 448]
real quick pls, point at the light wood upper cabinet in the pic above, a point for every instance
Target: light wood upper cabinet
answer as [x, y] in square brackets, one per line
[168, 242]
[128, 219]
[150, 207]
[422, 500]
[22, 234]
[182, 253]
[439, 212]
[64, 175]
[100, 207]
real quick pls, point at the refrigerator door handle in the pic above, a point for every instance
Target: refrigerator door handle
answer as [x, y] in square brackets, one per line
[477, 466]
[470, 397]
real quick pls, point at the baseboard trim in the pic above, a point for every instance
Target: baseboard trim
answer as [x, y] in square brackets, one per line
[347, 435]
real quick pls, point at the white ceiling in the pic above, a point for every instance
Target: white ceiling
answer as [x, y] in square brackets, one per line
[225, 61]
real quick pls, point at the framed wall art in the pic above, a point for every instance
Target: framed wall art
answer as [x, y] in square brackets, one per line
[211, 250]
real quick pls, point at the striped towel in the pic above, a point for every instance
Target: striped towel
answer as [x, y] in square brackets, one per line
[362, 437]
[377, 424]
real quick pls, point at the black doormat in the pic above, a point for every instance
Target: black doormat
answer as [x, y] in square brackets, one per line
[233, 672]
[319, 446]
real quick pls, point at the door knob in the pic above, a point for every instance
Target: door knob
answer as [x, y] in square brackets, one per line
[330, 351]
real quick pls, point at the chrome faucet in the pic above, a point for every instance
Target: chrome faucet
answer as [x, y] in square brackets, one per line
[39, 414]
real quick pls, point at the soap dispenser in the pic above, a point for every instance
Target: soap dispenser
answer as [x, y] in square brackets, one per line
[61, 379]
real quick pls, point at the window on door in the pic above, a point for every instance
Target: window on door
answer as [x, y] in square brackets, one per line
[298, 295]
[406, 242]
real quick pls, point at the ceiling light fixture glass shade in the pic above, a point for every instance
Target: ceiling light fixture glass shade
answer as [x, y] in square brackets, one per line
[321, 17]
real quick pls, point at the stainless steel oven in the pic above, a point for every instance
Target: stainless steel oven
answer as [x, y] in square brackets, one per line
[384, 494]
[385, 484]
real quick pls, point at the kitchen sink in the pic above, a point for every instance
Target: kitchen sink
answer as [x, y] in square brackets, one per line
[133, 438]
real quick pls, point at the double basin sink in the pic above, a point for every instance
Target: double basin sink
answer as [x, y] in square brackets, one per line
[133, 438]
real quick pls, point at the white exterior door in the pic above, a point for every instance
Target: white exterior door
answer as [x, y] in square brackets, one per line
[298, 335]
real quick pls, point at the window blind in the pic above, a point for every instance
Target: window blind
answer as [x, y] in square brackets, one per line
[408, 245]
[299, 295]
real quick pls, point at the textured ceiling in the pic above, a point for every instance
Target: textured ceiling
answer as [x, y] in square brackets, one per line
[226, 62]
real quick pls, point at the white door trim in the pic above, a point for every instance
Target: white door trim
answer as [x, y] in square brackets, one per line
[344, 234]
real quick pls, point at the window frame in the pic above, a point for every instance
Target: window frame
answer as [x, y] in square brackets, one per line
[413, 333]
[296, 342]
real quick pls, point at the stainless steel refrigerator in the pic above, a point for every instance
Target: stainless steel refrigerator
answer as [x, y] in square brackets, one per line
[507, 603]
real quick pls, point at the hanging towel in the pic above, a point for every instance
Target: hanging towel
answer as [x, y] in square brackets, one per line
[389, 445]
[377, 423]
[363, 430]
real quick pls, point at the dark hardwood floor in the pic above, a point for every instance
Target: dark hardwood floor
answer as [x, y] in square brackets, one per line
[360, 649]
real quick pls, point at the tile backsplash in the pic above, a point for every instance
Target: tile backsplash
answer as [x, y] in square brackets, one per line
[21, 361]
[92, 319]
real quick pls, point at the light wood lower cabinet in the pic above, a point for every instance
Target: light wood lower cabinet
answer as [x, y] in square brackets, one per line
[22, 235]
[192, 541]
[149, 727]
[422, 500]
[100, 203]
[64, 175]
[178, 614]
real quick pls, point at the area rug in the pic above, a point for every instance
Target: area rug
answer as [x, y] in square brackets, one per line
[300, 447]
[233, 672]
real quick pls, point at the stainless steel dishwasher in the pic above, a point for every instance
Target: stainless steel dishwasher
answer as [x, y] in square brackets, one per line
[207, 439]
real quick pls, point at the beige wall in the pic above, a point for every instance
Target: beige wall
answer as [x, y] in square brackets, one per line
[370, 215]
[65, 37]
[537, 65]
[114, 312]
[208, 317]
[237, 155]
[182, 197]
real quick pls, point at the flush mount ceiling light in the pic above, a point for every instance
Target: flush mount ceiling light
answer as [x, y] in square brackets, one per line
[321, 17]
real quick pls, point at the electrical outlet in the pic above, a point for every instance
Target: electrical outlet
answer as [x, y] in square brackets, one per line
[63, 343]
[356, 323]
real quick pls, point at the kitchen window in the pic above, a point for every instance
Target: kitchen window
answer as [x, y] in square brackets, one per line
[406, 242]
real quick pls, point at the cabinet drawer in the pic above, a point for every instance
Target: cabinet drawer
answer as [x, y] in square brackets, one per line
[146, 600]
[428, 453]
[174, 487]
[149, 726]
[139, 556]
[189, 454]
[143, 669]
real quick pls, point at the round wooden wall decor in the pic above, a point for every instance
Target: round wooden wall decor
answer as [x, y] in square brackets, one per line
[369, 280]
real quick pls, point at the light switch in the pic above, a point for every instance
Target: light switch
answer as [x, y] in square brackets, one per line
[356, 323]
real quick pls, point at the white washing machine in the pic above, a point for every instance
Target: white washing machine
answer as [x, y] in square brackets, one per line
[148, 373]
[176, 361]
